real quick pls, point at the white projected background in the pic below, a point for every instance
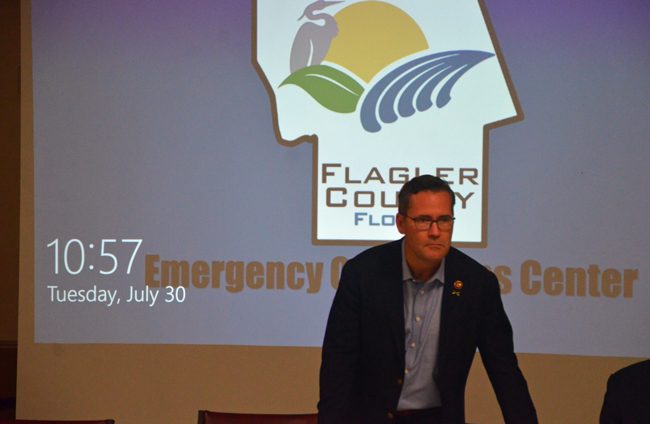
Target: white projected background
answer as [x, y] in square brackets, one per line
[168, 209]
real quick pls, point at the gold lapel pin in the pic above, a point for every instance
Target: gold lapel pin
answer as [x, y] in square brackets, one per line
[458, 285]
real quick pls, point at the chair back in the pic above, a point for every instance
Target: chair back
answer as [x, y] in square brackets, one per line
[209, 417]
[12, 421]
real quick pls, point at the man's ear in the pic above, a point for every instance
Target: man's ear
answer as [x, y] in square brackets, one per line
[400, 220]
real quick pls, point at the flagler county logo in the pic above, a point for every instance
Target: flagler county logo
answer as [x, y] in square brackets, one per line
[385, 90]
[406, 89]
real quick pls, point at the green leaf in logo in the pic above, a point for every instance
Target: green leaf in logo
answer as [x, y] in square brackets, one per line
[330, 87]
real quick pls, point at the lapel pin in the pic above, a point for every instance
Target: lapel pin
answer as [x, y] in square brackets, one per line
[458, 285]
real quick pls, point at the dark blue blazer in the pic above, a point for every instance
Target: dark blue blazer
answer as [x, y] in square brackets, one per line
[363, 355]
[627, 396]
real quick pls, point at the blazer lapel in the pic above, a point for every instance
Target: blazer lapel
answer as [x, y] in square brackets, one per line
[395, 295]
[451, 300]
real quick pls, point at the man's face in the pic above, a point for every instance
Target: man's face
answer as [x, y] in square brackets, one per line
[425, 249]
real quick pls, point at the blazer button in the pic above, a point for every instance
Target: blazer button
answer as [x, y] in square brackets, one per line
[390, 416]
[400, 381]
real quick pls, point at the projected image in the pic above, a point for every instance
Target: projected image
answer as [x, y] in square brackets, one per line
[203, 170]
[383, 105]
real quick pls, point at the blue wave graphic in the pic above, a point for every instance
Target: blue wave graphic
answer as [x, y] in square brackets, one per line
[409, 88]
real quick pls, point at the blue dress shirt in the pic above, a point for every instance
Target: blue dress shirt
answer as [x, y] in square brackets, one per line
[422, 301]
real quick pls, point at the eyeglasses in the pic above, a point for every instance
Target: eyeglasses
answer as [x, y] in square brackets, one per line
[422, 223]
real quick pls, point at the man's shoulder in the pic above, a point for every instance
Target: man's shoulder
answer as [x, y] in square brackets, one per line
[627, 393]
[456, 258]
[378, 263]
[390, 250]
[635, 373]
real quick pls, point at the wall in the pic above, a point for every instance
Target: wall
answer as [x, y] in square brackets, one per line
[9, 197]
[10, 166]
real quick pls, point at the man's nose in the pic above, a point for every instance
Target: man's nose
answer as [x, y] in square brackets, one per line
[434, 230]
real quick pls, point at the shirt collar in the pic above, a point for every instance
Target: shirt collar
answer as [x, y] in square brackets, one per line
[406, 271]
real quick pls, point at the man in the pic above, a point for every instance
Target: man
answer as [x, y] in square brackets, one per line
[406, 321]
[626, 399]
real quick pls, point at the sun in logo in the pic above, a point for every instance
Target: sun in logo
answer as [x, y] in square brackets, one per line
[335, 59]
[365, 46]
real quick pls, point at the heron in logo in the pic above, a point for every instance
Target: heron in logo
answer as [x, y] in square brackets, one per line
[312, 40]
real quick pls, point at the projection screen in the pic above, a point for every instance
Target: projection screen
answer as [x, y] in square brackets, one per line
[202, 172]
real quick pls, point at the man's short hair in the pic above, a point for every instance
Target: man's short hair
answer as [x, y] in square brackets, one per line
[423, 183]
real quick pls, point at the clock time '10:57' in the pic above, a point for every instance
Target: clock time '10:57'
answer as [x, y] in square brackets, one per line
[74, 254]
